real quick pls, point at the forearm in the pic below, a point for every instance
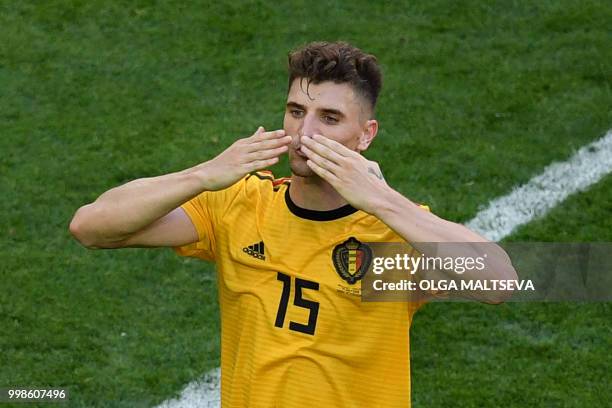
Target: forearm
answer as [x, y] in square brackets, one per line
[360, 182]
[428, 233]
[122, 211]
[121, 215]
[415, 225]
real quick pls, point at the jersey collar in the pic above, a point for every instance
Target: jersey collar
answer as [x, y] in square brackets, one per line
[316, 215]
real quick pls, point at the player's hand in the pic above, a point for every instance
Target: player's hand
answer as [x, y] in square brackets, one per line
[256, 152]
[356, 178]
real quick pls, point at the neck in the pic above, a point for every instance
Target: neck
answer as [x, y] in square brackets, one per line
[314, 193]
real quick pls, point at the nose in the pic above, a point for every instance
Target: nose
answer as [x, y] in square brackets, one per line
[308, 127]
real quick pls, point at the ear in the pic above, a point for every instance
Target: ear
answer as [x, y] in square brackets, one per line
[369, 133]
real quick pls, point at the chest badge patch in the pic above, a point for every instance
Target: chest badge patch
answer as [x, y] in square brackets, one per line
[352, 260]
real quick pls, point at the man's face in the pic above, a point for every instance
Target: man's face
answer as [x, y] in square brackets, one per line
[329, 109]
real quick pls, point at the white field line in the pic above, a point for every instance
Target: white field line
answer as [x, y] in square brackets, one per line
[502, 216]
[202, 393]
[543, 192]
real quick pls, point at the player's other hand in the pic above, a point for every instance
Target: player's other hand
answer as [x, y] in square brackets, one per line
[256, 152]
[356, 178]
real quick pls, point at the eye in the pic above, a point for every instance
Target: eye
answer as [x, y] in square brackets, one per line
[330, 119]
[296, 113]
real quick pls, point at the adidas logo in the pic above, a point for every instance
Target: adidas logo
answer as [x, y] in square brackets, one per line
[256, 250]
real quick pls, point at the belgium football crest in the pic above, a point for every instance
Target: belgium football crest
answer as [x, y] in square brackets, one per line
[352, 260]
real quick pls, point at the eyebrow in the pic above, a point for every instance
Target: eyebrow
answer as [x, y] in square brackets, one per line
[337, 112]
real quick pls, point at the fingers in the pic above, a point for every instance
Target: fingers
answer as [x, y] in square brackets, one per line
[263, 141]
[335, 146]
[261, 134]
[263, 148]
[329, 152]
[261, 164]
[269, 144]
[267, 153]
[319, 160]
[323, 173]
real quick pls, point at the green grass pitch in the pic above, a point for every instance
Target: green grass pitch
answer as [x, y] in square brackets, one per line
[478, 98]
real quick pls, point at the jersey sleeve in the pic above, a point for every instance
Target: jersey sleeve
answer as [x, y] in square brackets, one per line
[205, 210]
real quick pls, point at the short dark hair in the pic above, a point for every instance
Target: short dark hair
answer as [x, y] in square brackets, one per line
[339, 62]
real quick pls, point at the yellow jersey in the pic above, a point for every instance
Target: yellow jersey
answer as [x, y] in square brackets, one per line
[294, 332]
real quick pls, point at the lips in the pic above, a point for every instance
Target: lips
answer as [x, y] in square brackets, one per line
[299, 152]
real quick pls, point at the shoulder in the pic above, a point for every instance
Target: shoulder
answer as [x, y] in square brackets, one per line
[377, 229]
[253, 184]
[264, 181]
[255, 187]
[424, 207]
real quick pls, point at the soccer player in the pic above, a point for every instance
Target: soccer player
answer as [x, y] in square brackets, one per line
[294, 331]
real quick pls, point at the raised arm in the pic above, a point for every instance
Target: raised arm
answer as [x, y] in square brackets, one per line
[360, 182]
[146, 212]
